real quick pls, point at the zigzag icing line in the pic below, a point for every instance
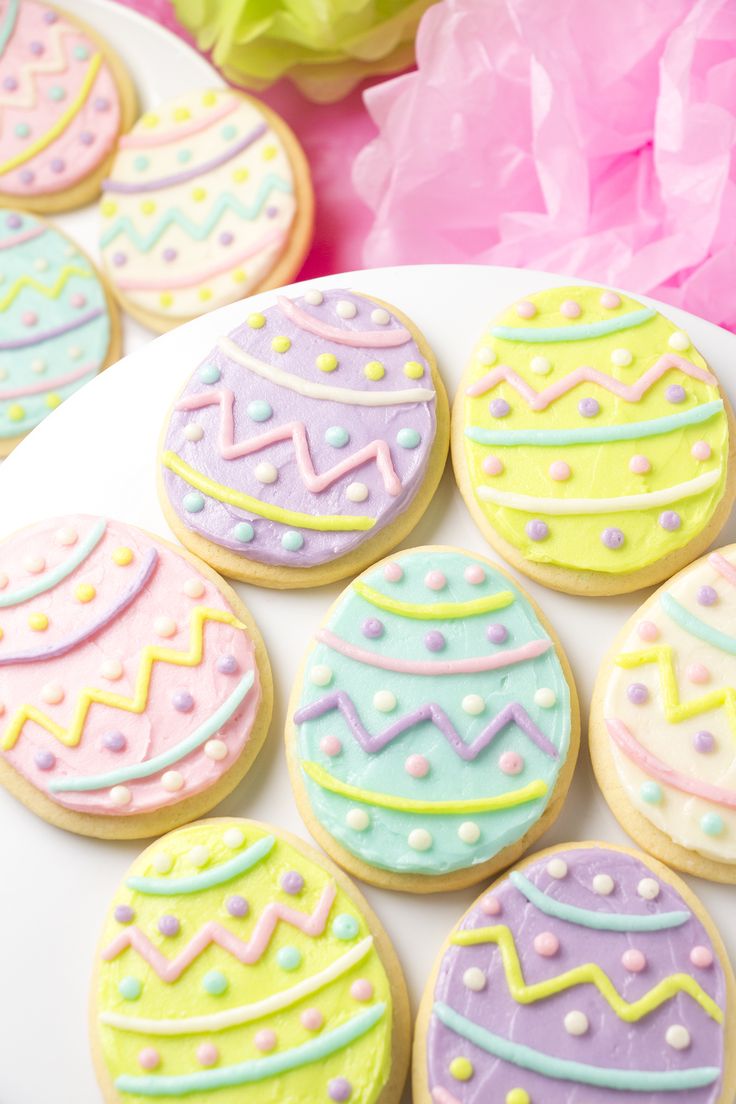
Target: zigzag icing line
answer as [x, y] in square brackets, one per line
[249, 953]
[676, 710]
[225, 202]
[295, 432]
[55, 61]
[151, 654]
[513, 713]
[540, 400]
[50, 291]
[589, 974]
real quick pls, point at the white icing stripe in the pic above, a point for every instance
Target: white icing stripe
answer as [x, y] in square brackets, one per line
[246, 1013]
[319, 390]
[532, 504]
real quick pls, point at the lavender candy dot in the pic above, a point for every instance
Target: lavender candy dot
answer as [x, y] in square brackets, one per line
[237, 905]
[183, 701]
[707, 596]
[589, 407]
[637, 693]
[169, 254]
[704, 741]
[86, 137]
[124, 914]
[58, 165]
[292, 882]
[102, 104]
[499, 408]
[670, 520]
[228, 665]
[169, 925]
[50, 17]
[537, 530]
[119, 259]
[44, 760]
[339, 1089]
[497, 633]
[271, 212]
[612, 538]
[434, 641]
[27, 176]
[372, 628]
[10, 84]
[13, 221]
[675, 393]
[36, 48]
[114, 741]
[226, 238]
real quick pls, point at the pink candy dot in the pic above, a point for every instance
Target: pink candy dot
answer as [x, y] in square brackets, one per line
[207, 1054]
[149, 1058]
[474, 574]
[492, 465]
[640, 465]
[610, 300]
[77, 299]
[265, 1039]
[435, 580]
[361, 990]
[312, 1019]
[29, 318]
[559, 470]
[525, 309]
[511, 762]
[417, 766]
[392, 572]
[647, 630]
[571, 309]
[701, 450]
[697, 673]
[633, 960]
[546, 944]
[490, 905]
[330, 745]
[702, 957]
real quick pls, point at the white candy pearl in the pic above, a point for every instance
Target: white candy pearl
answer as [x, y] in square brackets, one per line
[678, 1037]
[469, 832]
[164, 626]
[486, 355]
[648, 889]
[346, 309]
[266, 472]
[38, 366]
[120, 795]
[621, 357]
[314, 297]
[384, 701]
[193, 588]
[545, 697]
[199, 855]
[679, 340]
[215, 749]
[356, 492]
[172, 781]
[233, 838]
[474, 979]
[162, 862]
[193, 431]
[576, 1023]
[420, 839]
[380, 316]
[321, 674]
[540, 365]
[473, 704]
[557, 868]
[603, 884]
[357, 819]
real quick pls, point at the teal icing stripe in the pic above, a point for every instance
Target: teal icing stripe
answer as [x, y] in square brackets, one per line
[258, 1069]
[586, 435]
[225, 872]
[601, 921]
[573, 332]
[225, 202]
[693, 625]
[563, 1069]
[52, 578]
[144, 770]
[9, 25]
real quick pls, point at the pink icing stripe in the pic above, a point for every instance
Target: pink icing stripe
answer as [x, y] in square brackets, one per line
[27, 235]
[442, 1096]
[367, 339]
[296, 432]
[131, 284]
[722, 566]
[540, 400]
[653, 766]
[154, 138]
[470, 666]
[49, 384]
[171, 969]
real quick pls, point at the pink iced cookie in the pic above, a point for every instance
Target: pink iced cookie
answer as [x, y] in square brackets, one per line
[132, 680]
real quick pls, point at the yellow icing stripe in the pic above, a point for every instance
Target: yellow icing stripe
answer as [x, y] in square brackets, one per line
[61, 123]
[433, 611]
[51, 291]
[152, 654]
[508, 800]
[589, 974]
[328, 523]
[674, 709]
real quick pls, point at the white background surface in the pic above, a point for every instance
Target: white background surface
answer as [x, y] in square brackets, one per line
[96, 453]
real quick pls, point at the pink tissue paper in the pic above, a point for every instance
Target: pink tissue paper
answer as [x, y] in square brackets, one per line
[579, 136]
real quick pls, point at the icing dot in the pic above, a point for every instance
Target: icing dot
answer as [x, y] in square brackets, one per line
[193, 432]
[469, 832]
[408, 438]
[22, 130]
[701, 450]
[651, 792]
[589, 407]
[559, 470]
[372, 628]
[622, 358]
[255, 321]
[576, 1023]
[233, 838]
[37, 48]
[473, 704]
[346, 309]
[172, 781]
[13, 221]
[610, 300]
[39, 622]
[141, 162]
[380, 316]
[312, 1019]
[66, 536]
[281, 344]
[384, 701]
[413, 369]
[216, 750]
[712, 824]
[435, 580]
[227, 665]
[114, 741]
[677, 1035]
[361, 990]
[704, 741]
[374, 370]
[44, 760]
[289, 958]
[648, 888]
[130, 988]
[510, 762]
[540, 365]
[164, 626]
[34, 565]
[356, 492]
[474, 979]
[209, 373]
[434, 641]
[292, 541]
[237, 905]
[265, 1039]
[169, 925]
[492, 465]
[525, 309]
[120, 796]
[124, 914]
[357, 819]
[490, 905]
[546, 944]
[162, 862]
[339, 1089]
[474, 574]
[292, 882]
[199, 856]
[393, 572]
[119, 259]
[545, 697]
[53, 693]
[417, 766]
[675, 393]
[537, 530]
[634, 960]
[518, 1096]
[314, 297]
[497, 633]
[16, 412]
[647, 630]
[678, 340]
[266, 472]
[215, 983]
[345, 927]
[85, 592]
[169, 254]
[321, 674]
[419, 839]
[707, 596]
[244, 532]
[499, 408]
[58, 164]
[122, 556]
[612, 538]
[326, 362]
[640, 465]
[337, 436]
[259, 410]
[701, 956]
[697, 673]
[331, 745]
[557, 868]
[207, 1054]
[461, 1069]
[571, 309]
[603, 885]
[193, 502]
[637, 693]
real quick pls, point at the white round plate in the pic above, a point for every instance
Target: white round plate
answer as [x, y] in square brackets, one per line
[96, 453]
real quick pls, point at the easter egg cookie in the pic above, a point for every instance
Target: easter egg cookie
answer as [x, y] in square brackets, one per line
[588, 975]
[238, 965]
[433, 731]
[663, 721]
[135, 690]
[308, 443]
[591, 442]
[58, 325]
[65, 98]
[209, 200]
